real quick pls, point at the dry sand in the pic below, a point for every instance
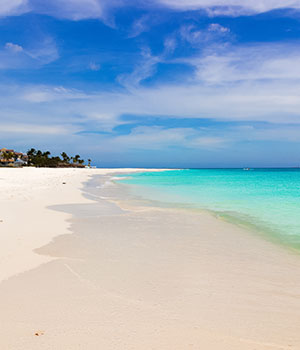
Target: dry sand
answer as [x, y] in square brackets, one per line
[135, 277]
[25, 220]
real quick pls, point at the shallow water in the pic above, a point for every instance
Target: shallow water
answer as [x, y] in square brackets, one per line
[266, 199]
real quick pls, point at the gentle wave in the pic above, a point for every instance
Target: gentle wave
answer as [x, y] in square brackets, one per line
[265, 199]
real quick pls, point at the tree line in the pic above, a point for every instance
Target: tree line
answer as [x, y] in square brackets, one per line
[44, 159]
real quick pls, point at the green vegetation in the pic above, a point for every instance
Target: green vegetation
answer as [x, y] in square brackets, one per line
[42, 159]
[7, 155]
[38, 158]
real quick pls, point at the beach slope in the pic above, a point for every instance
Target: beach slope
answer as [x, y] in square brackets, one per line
[88, 268]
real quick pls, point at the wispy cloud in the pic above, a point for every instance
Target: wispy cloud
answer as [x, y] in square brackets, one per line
[43, 114]
[231, 7]
[94, 66]
[255, 62]
[13, 7]
[153, 137]
[33, 129]
[39, 94]
[69, 9]
[85, 9]
[157, 138]
[233, 83]
[15, 56]
[143, 70]
[147, 64]
[213, 33]
[104, 9]
[139, 26]
[44, 51]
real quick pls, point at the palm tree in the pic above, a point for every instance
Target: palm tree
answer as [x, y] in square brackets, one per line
[76, 158]
[65, 157]
[31, 152]
[46, 154]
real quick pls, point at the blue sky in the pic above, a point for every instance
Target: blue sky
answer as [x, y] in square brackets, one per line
[175, 83]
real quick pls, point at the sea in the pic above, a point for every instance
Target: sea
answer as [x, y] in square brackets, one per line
[266, 201]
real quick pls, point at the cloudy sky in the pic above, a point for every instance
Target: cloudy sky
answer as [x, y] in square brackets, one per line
[175, 83]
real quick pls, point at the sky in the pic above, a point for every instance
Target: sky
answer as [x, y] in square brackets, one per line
[161, 83]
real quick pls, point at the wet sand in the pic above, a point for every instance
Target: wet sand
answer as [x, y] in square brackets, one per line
[134, 276]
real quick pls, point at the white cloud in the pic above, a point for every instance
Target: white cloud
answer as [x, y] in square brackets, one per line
[266, 61]
[13, 7]
[231, 7]
[32, 129]
[261, 83]
[69, 9]
[86, 9]
[250, 84]
[216, 27]
[13, 47]
[209, 138]
[157, 138]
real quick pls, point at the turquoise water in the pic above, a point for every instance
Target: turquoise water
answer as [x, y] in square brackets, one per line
[265, 199]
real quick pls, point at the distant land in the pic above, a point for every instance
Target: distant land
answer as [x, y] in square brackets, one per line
[38, 158]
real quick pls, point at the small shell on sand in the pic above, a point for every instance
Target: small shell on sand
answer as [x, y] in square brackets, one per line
[39, 333]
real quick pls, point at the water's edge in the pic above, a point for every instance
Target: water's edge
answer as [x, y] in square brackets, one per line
[265, 233]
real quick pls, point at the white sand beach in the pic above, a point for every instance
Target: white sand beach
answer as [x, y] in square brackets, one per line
[26, 222]
[79, 271]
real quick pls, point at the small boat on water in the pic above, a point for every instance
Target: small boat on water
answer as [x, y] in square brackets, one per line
[247, 169]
